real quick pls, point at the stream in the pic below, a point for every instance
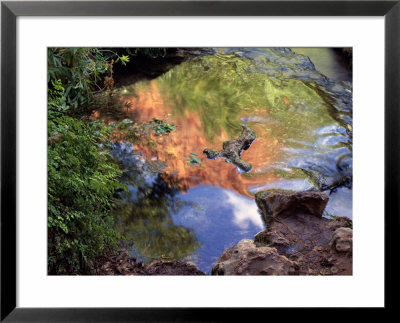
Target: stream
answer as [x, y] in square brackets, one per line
[180, 204]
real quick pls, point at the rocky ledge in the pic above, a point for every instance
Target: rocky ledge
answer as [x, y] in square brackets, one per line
[297, 241]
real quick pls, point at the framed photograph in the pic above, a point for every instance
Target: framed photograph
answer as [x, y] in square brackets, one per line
[160, 160]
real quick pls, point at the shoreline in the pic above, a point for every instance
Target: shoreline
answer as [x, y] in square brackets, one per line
[297, 241]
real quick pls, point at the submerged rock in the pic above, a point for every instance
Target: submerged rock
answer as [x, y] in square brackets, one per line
[246, 258]
[232, 149]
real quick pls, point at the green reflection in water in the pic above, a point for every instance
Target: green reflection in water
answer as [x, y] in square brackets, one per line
[144, 214]
[224, 87]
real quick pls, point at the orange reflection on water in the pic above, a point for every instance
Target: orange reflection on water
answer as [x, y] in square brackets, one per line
[189, 137]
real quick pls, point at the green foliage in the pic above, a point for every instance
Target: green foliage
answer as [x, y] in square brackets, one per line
[124, 124]
[148, 52]
[193, 160]
[81, 72]
[330, 215]
[82, 176]
[82, 179]
[123, 59]
[161, 127]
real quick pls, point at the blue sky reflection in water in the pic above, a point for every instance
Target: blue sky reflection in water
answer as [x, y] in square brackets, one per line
[224, 218]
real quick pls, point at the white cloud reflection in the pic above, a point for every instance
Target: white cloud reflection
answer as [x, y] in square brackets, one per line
[245, 210]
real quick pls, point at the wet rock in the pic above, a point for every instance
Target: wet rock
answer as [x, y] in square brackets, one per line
[123, 263]
[246, 258]
[281, 203]
[172, 267]
[232, 149]
[297, 230]
[339, 223]
[342, 240]
[272, 238]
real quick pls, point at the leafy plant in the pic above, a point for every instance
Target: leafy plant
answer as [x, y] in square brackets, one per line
[81, 72]
[330, 215]
[193, 160]
[123, 59]
[161, 127]
[124, 124]
[82, 179]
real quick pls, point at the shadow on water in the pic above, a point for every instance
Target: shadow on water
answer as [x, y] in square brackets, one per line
[148, 67]
[303, 122]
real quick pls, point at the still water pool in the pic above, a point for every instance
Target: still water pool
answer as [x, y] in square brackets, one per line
[303, 122]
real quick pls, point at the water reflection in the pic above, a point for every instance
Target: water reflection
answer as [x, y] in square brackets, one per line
[303, 122]
[144, 212]
[164, 219]
[245, 212]
[225, 218]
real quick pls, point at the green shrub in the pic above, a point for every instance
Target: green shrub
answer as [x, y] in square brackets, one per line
[81, 72]
[82, 179]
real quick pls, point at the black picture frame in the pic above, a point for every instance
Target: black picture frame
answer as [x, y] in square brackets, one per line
[10, 10]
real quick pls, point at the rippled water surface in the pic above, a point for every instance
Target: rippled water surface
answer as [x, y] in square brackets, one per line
[303, 122]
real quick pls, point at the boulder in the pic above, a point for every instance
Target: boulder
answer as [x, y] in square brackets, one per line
[280, 203]
[297, 230]
[294, 220]
[246, 258]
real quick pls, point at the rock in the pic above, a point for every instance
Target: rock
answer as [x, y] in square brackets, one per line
[275, 203]
[246, 258]
[232, 149]
[272, 238]
[171, 267]
[342, 240]
[122, 263]
[339, 223]
[294, 220]
[297, 230]
[57, 137]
